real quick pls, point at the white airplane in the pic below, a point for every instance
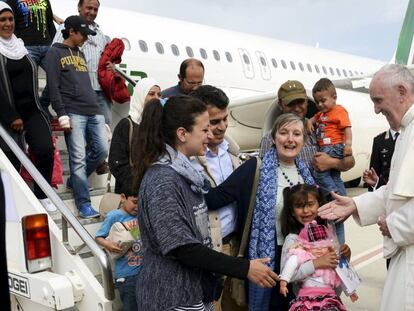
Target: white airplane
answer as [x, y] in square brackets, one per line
[248, 68]
[69, 270]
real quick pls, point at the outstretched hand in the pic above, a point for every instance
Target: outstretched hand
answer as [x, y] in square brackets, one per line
[260, 274]
[339, 209]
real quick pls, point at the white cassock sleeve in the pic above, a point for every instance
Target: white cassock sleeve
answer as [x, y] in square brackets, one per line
[370, 206]
[401, 224]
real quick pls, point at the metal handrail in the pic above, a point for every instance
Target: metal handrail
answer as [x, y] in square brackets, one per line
[102, 256]
[125, 76]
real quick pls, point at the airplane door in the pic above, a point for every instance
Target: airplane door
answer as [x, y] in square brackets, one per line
[247, 64]
[264, 65]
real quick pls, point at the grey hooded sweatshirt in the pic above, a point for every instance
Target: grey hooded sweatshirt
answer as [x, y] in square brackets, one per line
[68, 81]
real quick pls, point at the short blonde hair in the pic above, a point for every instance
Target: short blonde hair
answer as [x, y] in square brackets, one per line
[288, 118]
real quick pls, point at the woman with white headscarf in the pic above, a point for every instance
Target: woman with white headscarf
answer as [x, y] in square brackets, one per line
[20, 110]
[120, 151]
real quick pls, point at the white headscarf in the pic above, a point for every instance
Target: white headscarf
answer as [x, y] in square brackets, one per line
[13, 47]
[137, 103]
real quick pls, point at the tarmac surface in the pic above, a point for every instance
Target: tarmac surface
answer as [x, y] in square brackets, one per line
[366, 247]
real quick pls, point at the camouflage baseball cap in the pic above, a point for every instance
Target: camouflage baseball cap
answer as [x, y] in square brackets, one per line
[291, 90]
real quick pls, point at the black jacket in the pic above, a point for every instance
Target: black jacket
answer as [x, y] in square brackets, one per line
[382, 151]
[8, 111]
[119, 156]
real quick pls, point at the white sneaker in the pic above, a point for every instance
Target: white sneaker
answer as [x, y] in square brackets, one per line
[48, 205]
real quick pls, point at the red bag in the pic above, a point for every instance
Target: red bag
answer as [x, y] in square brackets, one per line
[112, 84]
[57, 178]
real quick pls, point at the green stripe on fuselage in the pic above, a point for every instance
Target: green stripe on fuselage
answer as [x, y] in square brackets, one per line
[406, 36]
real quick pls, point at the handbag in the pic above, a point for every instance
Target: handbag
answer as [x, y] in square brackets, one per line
[121, 236]
[237, 286]
[110, 200]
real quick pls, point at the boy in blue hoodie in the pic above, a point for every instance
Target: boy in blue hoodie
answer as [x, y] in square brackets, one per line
[128, 265]
[75, 103]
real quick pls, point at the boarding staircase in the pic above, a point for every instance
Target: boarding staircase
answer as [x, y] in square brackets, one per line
[97, 184]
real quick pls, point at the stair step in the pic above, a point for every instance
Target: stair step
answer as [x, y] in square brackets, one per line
[86, 255]
[67, 195]
[83, 221]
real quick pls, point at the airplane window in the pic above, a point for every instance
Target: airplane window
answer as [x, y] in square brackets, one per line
[203, 53]
[159, 47]
[127, 44]
[292, 64]
[190, 52]
[345, 73]
[216, 55]
[362, 73]
[301, 66]
[246, 59]
[274, 62]
[262, 61]
[283, 64]
[229, 57]
[309, 67]
[338, 72]
[175, 50]
[143, 46]
[331, 71]
[317, 69]
[356, 72]
[350, 73]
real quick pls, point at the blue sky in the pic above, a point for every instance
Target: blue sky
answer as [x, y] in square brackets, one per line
[367, 28]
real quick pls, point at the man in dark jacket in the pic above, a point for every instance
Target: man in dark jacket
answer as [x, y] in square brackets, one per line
[381, 155]
[191, 77]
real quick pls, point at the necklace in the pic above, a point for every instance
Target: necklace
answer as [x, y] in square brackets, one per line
[291, 183]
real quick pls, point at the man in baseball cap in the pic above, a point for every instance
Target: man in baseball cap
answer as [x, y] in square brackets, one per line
[79, 113]
[292, 98]
[78, 23]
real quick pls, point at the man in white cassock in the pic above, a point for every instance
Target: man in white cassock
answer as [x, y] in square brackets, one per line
[392, 205]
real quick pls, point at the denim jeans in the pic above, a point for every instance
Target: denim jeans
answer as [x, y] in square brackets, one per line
[86, 131]
[38, 53]
[331, 181]
[127, 292]
[106, 106]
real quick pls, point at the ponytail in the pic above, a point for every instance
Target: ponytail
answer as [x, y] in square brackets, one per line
[148, 145]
